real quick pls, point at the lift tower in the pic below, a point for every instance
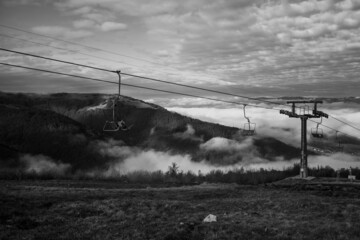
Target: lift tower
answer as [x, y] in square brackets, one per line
[304, 116]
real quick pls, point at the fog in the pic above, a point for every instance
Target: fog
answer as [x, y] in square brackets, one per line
[40, 164]
[271, 123]
[232, 153]
[129, 159]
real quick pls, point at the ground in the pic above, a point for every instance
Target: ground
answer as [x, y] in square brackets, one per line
[60, 209]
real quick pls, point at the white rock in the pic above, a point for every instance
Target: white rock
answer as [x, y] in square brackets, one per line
[210, 218]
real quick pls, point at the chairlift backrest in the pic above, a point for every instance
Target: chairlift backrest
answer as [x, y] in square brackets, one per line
[249, 129]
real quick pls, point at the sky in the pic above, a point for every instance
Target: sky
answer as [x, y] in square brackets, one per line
[248, 47]
[255, 48]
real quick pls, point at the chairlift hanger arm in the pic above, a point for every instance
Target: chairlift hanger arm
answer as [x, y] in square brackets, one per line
[317, 124]
[119, 74]
[245, 114]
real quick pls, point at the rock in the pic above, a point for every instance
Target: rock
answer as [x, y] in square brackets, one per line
[210, 218]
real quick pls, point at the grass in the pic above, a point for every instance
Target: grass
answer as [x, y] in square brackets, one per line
[61, 209]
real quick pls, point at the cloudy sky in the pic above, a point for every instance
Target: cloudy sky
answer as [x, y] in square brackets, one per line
[246, 47]
[252, 47]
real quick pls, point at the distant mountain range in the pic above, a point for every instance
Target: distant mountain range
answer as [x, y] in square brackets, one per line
[63, 126]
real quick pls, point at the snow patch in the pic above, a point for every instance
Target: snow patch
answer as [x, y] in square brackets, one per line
[100, 106]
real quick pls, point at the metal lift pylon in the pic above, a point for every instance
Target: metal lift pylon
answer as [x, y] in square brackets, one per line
[304, 117]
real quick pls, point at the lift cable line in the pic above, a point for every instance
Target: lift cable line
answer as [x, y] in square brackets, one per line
[78, 52]
[102, 50]
[142, 77]
[342, 121]
[57, 60]
[155, 89]
[158, 80]
[135, 86]
[98, 49]
[82, 45]
[90, 47]
[86, 54]
[68, 50]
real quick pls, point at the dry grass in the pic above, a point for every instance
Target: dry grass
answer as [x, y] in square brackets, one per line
[106, 210]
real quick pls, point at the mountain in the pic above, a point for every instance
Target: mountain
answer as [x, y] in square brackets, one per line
[38, 131]
[65, 126]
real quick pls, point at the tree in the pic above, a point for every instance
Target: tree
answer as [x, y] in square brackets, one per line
[173, 169]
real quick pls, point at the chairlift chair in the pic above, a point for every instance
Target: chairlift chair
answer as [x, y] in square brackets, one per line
[114, 124]
[339, 147]
[249, 127]
[317, 132]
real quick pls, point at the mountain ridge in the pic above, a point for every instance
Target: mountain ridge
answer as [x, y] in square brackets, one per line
[65, 126]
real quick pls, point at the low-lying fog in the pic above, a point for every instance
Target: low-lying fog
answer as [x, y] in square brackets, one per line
[269, 123]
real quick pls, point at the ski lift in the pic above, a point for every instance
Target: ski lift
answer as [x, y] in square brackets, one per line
[317, 132]
[339, 147]
[249, 128]
[114, 124]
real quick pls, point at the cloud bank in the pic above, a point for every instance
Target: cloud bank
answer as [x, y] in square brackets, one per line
[41, 164]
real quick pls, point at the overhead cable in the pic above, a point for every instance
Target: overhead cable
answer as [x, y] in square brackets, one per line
[155, 89]
[348, 124]
[142, 77]
[156, 80]
[135, 86]
[74, 51]
[78, 44]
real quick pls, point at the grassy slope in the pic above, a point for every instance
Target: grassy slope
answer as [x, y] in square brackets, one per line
[103, 210]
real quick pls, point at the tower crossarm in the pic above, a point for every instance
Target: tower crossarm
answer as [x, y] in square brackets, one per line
[320, 114]
[290, 114]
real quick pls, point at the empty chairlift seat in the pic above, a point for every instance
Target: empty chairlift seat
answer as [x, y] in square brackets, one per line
[249, 129]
